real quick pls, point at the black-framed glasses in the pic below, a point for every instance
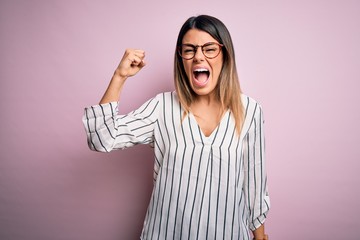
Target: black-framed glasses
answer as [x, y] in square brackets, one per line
[210, 50]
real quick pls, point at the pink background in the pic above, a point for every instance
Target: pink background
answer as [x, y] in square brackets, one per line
[299, 59]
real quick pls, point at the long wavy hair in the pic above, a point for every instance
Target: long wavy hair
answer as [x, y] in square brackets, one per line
[227, 91]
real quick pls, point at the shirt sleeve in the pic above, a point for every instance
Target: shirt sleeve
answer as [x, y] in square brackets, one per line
[255, 182]
[107, 131]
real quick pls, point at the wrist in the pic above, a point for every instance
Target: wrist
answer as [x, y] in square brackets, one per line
[118, 77]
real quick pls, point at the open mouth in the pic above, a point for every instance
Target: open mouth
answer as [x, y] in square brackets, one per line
[201, 76]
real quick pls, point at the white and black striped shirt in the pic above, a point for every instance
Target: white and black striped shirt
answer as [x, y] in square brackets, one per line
[204, 187]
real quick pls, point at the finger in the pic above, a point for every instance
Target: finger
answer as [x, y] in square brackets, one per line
[135, 61]
[142, 64]
[139, 57]
[139, 65]
[134, 52]
[139, 53]
[131, 53]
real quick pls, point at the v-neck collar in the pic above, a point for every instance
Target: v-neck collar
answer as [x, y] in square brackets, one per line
[212, 137]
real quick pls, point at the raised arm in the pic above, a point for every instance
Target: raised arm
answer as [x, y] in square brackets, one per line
[105, 129]
[131, 63]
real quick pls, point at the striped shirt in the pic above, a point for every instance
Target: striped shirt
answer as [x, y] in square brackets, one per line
[204, 187]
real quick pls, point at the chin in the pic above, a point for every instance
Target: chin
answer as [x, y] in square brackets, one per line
[203, 91]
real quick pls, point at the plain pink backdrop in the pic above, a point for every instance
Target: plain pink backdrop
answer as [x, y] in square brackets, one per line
[299, 59]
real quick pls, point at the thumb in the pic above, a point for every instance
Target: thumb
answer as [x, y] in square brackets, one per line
[142, 64]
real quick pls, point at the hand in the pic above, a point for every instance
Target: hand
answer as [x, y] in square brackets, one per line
[131, 63]
[266, 237]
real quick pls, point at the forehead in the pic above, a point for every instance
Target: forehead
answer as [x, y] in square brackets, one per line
[197, 37]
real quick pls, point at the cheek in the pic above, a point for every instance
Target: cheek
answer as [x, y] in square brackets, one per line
[187, 68]
[217, 68]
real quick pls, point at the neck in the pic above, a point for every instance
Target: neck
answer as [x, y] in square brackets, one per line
[206, 104]
[206, 100]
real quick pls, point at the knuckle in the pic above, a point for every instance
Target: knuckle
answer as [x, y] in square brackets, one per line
[128, 50]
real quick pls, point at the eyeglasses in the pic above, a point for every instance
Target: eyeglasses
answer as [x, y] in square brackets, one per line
[210, 50]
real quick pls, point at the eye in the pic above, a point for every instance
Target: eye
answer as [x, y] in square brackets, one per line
[210, 47]
[188, 50]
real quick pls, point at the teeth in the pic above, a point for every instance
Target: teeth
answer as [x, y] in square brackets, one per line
[201, 70]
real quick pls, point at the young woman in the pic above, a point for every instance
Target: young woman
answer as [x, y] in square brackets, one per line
[208, 140]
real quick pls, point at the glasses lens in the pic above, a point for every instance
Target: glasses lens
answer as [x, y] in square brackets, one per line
[187, 51]
[211, 50]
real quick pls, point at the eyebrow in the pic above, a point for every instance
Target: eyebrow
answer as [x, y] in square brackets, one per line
[190, 44]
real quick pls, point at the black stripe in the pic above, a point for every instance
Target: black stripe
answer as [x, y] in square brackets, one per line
[254, 167]
[142, 126]
[181, 172]
[228, 182]
[145, 133]
[89, 130]
[218, 189]
[158, 147]
[154, 215]
[162, 137]
[261, 137]
[157, 161]
[148, 103]
[164, 192]
[113, 115]
[197, 182]
[241, 156]
[237, 168]
[174, 161]
[189, 175]
[210, 188]
[103, 113]
[145, 117]
[202, 198]
[97, 131]
[125, 134]
[248, 171]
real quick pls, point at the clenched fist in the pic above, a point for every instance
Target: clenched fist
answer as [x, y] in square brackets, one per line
[131, 63]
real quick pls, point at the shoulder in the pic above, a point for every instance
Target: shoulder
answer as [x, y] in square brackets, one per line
[252, 108]
[167, 97]
[252, 114]
[248, 101]
[165, 94]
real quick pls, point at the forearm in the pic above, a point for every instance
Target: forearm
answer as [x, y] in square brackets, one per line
[112, 93]
[259, 233]
[130, 64]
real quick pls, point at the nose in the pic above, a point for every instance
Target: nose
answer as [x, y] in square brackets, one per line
[199, 55]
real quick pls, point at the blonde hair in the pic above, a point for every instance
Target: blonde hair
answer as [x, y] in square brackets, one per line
[228, 91]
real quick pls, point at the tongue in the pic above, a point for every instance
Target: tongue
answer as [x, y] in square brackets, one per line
[202, 77]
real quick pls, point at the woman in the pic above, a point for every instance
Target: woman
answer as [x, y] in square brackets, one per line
[208, 140]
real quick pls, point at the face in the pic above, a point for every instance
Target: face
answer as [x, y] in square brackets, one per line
[202, 72]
